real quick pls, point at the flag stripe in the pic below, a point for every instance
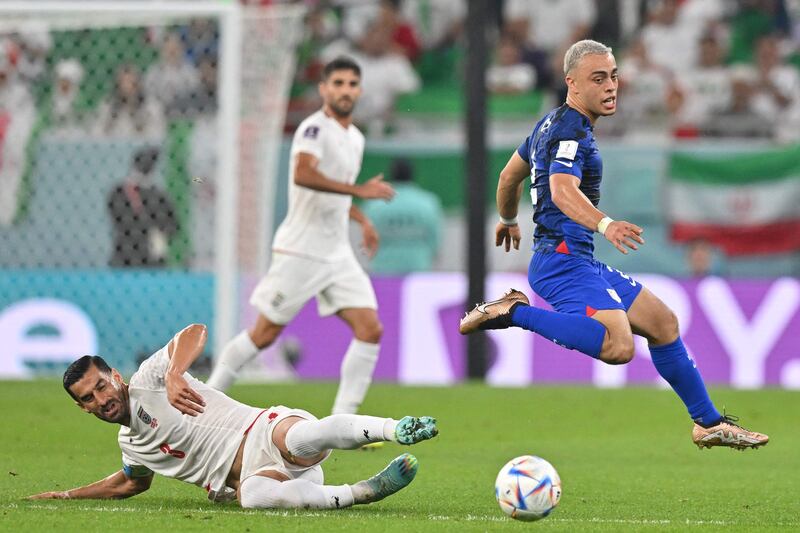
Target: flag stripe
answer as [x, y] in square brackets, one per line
[760, 167]
[736, 205]
[783, 236]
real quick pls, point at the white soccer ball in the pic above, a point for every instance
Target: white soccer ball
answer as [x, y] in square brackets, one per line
[527, 488]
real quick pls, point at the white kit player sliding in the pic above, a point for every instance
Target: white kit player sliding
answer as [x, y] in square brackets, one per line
[312, 255]
[176, 426]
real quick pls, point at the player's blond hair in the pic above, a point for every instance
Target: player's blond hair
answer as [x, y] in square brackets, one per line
[580, 49]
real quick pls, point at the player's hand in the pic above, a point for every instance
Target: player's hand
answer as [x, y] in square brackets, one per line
[375, 189]
[182, 397]
[370, 239]
[621, 234]
[56, 495]
[507, 236]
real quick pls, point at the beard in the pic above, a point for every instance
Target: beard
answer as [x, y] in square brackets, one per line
[341, 110]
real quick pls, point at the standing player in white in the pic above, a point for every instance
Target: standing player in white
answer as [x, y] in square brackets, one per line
[312, 255]
[177, 426]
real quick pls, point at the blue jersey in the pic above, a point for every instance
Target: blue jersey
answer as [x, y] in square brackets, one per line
[562, 143]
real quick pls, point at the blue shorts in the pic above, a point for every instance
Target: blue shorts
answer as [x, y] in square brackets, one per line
[579, 285]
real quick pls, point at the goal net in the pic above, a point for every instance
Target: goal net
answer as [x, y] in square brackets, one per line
[138, 151]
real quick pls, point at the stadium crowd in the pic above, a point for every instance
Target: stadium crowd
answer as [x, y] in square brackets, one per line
[692, 67]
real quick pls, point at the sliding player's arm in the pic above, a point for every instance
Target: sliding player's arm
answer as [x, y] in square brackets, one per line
[572, 202]
[115, 486]
[509, 193]
[183, 350]
[307, 175]
[369, 235]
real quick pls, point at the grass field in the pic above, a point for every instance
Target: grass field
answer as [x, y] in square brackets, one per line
[625, 458]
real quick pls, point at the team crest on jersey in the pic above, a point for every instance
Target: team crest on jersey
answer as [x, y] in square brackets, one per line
[278, 300]
[311, 132]
[146, 418]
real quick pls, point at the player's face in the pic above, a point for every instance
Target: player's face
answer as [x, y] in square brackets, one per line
[340, 91]
[102, 395]
[594, 83]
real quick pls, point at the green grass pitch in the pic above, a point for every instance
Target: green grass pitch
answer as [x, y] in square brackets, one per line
[625, 458]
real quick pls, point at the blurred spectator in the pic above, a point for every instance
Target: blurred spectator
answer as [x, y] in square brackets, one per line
[548, 28]
[753, 20]
[643, 88]
[65, 114]
[508, 74]
[703, 259]
[17, 115]
[385, 74]
[777, 92]
[128, 112]
[705, 88]
[552, 25]
[172, 76]
[142, 216]
[409, 226]
[359, 19]
[438, 23]
[200, 39]
[34, 42]
[740, 119]
[671, 42]
[404, 36]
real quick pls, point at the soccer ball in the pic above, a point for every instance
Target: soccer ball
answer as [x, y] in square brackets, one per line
[527, 488]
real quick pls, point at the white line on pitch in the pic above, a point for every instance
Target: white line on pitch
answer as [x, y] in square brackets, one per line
[325, 514]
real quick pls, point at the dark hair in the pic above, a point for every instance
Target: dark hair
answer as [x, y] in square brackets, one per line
[145, 159]
[341, 63]
[402, 170]
[77, 369]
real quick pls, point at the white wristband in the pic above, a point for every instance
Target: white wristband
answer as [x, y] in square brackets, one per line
[509, 221]
[603, 224]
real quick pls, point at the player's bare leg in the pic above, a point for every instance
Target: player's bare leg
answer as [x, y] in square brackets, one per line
[656, 322]
[241, 350]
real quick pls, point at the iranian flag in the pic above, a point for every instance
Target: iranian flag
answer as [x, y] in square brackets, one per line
[745, 204]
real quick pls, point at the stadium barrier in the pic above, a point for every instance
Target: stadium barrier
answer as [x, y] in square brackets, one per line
[742, 333]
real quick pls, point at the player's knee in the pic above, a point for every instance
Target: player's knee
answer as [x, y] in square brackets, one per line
[258, 492]
[264, 335]
[619, 352]
[369, 332]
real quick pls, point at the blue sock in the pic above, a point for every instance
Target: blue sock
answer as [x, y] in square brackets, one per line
[676, 366]
[575, 332]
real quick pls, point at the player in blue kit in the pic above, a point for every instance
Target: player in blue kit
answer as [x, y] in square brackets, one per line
[597, 309]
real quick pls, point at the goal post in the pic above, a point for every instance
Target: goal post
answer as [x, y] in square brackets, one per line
[211, 121]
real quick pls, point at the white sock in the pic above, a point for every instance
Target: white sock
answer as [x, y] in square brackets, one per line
[259, 492]
[337, 432]
[356, 376]
[237, 353]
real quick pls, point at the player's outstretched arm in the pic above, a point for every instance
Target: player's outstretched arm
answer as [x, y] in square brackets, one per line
[184, 349]
[572, 202]
[307, 175]
[369, 235]
[509, 192]
[115, 486]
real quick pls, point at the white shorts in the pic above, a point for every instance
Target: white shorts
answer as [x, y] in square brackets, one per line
[260, 452]
[292, 281]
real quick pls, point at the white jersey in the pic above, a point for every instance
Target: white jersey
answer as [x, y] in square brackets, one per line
[161, 439]
[316, 225]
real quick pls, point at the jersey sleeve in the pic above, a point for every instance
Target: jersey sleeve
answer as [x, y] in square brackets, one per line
[308, 139]
[567, 157]
[133, 469]
[524, 150]
[151, 372]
